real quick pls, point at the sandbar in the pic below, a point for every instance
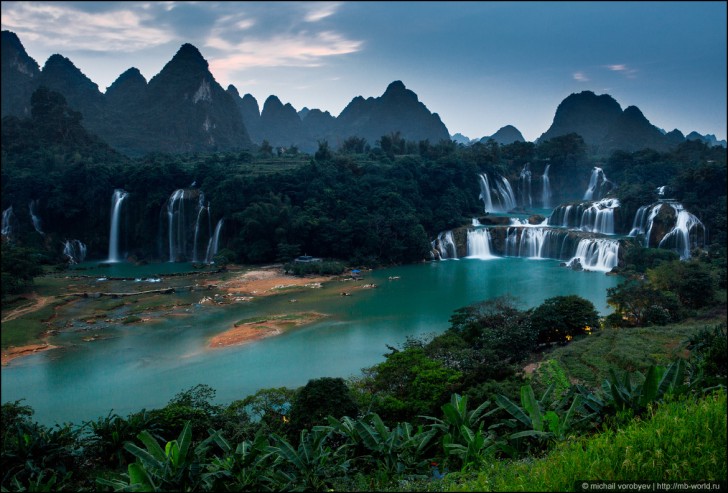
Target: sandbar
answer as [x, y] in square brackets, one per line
[12, 352]
[272, 325]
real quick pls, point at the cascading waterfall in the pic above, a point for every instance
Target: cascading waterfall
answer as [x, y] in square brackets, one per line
[7, 226]
[524, 186]
[117, 199]
[445, 244]
[476, 222]
[501, 192]
[214, 243]
[685, 229]
[597, 182]
[599, 217]
[546, 192]
[688, 231]
[597, 254]
[75, 251]
[479, 244]
[35, 218]
[535, 242]
[594, 217]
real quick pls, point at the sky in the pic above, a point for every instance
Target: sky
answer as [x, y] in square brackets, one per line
[479, 65]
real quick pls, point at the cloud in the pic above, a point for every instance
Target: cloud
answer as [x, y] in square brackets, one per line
[623, 69]
[59, 26]
[302, 49]
[580, 77]
[321, 11]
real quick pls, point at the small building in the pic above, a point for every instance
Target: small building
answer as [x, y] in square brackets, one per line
[306, 259]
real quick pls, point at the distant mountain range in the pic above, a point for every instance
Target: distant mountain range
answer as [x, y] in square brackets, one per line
[184, 109]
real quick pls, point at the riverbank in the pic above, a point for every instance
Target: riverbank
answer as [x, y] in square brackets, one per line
[12, 353]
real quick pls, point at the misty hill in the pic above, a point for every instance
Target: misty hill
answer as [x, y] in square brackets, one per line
[709, 139]
[397, 110]
[605, 127]
[505, 135]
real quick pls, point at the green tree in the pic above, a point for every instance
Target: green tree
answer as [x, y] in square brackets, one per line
[319, 398]
[562, 318]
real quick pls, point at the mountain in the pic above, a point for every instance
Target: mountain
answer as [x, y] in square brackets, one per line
[318, 125]
[186, 110]
[20, 75]
[586, 114]
[605, 127]
[709, 139]
[280, 124]
[397, 110]
[250, 113]
[460, 139]
[506, 135]
[630, 132]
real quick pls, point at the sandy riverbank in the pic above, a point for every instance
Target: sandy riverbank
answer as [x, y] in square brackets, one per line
[246, 332]
[13, 352]
[268, 281]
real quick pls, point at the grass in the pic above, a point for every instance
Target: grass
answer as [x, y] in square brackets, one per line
[589, 359]
[28, 328]
[679, 441]
[291, 318]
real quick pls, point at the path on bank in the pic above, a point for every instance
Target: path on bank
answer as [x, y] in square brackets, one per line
[37, 302]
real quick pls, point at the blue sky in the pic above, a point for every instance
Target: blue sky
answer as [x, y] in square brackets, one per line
[479, 65]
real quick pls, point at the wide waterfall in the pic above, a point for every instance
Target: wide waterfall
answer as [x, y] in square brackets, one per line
[524, 186]
[536, 242]
[597, 254]
[479, 244]
[546, 191]
[117, 199]
[687, 232]
[499, 197]
[445, 244]
[594, 217]
[75, 251]
[7, 225]
[598, 185]
[35, 218]
[214, 243]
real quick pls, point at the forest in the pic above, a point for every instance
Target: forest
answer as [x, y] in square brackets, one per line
[457, 411]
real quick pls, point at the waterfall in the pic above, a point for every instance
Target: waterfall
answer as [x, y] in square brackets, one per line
[476, 222]
[479, 244]
[75, 251]
[546, 192]
[7, 227]
[535, 242]
[485, 192]
[503, 192]
[597, 254]
[200, 209]
[597, 182]
[679, 237]
[214, 243]
[524, 186]
[639, 221]
[34, 217]
[445, 244]
[687, 232]
[117, 199]
[599, 217]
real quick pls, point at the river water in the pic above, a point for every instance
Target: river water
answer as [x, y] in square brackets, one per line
[145, 365]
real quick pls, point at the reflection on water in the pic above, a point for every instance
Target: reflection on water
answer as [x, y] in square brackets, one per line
[145, 365]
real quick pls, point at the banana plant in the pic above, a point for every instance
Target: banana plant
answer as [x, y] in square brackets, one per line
[462, 431]
[246, 468]
[308, 466]
[653, 386]
[175, 467]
